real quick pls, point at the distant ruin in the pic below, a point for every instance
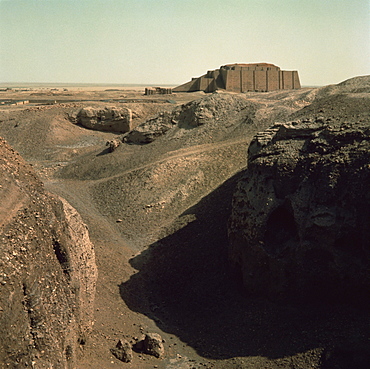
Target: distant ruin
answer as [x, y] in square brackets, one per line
[258, 77]
[14, 102]
[157, 91]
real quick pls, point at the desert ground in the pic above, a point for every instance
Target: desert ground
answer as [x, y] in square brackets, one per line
[157, 214]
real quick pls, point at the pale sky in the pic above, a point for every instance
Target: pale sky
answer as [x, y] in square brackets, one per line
[170, 41]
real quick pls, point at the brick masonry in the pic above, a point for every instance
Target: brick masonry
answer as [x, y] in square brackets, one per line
[257, 77]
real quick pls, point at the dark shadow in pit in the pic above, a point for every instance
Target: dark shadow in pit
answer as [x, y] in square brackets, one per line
[184, 284]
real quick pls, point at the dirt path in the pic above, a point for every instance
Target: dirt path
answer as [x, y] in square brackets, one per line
[176, 283]
[113, 318]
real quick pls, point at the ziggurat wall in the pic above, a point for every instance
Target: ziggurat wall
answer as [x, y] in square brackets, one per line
[258, 77]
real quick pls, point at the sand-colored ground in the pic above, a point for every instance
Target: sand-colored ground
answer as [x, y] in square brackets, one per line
[157, 215]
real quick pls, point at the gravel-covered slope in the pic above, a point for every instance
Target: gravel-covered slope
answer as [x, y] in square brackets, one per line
[47, 271]
[157, 213]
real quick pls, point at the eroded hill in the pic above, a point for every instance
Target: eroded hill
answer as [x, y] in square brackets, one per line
[157, 209]
[48, 272]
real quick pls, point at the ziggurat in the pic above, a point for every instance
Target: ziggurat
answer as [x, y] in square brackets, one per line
[258, 77]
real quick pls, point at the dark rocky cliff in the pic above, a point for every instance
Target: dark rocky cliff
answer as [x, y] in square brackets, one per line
[47, 272]
[300, 221]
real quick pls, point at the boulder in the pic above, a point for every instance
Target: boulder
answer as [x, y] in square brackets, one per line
[123, 351]
[47, 271]
[111, 119]
[113, 144]
[299, 227]
[153, 345]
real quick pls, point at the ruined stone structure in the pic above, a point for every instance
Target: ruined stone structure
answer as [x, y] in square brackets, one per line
[259, 77]
[14, 102]
[157, 91]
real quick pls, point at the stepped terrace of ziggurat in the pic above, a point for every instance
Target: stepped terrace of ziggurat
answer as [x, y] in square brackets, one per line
[258, 77]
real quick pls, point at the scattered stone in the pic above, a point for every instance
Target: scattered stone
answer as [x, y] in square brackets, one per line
[153, 345]
[113, 144]
[123, 351]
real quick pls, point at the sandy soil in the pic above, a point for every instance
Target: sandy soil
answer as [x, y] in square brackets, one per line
[157, 215]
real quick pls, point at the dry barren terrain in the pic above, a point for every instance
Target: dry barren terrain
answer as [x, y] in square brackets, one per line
[157, 214]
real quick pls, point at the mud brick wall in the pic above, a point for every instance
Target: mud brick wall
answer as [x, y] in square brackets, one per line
[204, 83]
[247, 83]
[260, 78]
[272, 79]
[286, 78]
[296, 82]
[242, 78]
[233, 81]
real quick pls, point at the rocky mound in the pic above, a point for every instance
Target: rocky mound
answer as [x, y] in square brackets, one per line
[300, 220]
[217, 113]
[48, 272]
[339, 107]
[151, 129]
[359, 84]
[157, 213]
[46, 134]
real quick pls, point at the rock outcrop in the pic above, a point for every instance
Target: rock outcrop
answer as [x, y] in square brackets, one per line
[47, 272]
[217, 110]
[152, 128]
[111, 119]
[300, 221]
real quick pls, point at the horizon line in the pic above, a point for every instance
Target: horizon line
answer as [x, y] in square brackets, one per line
[101, 84]
[86, 84]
